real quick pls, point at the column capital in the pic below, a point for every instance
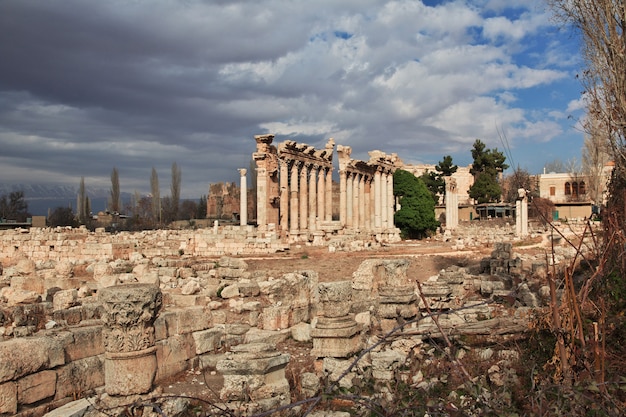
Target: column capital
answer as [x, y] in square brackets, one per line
[242, 172]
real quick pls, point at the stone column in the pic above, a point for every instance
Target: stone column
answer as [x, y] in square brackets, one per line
[383, 200]
[254, 376]
[261, 198]
[355, 200]
[328, 212]
[243, 197]
[343, 196]
[367, 190]
[349, 198]
[304, 197]
[378, 199]
[390, 201]
[336, 333]
[521, 213]
[284, 196]
[362, 200]
[294, 195]
[452, 204]
[313, 196]
[128, 334]
[321, 193]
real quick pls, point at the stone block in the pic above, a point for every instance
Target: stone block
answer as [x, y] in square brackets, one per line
[208, 340]
[193, 319]
[43, 353]
[165, 325]
[64, 299]
[8, 398]
[36, 387]
[173, 355]
[275, 318]
[84, 342]
[80, 377]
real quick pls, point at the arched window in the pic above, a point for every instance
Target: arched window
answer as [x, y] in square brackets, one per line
[581, 188]
[568, 189]
[575, 189]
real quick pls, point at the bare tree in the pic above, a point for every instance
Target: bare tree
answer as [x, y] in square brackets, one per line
[115, 192]
[156, 195]
[175, 191]
[602, 24]
[595, 156]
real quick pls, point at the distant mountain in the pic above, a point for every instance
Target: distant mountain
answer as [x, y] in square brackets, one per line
[44, 198]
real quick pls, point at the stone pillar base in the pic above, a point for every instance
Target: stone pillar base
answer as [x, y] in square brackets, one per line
[336, 337]
[127, 373]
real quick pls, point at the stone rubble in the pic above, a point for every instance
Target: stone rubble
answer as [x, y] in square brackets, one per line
[217, 315]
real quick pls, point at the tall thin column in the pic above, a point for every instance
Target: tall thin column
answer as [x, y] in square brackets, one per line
[243, 197]
[321, 193]
[313, 196]
[362, 200]
[383, 200]
[349, 198]
[390, 200]
[377, 199]
[355, 200]
[328, 212]
[284, 195]
[343, 189]
[304, 197]
[261, 198]
[369, 190]
[295, 166]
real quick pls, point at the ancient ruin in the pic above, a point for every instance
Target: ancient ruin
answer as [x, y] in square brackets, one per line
[93, 322]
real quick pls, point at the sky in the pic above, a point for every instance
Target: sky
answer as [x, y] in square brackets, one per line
[90, 85]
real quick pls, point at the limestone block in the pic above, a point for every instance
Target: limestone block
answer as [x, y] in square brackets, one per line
[25, 267]
[248, 288]
[235, 263]
[186, 273]
[191, 287]
[101, 269]
[193, 319]
[8, 398]
[64, 268]
[335, 298]
[77, 408]
[84, 342]
[487, 287]
[165, 325]
[173, 355]
[14, 297]
[208, 340]
[385, 363]
[275, 317]
[334, 368]
[301, 332]
[272, 337]
[64, 299]
[230, 291]
[80, 377]
[36, 387]
[28, 283]
[106, 281]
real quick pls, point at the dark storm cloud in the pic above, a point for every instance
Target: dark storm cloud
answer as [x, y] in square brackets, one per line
[89, 85]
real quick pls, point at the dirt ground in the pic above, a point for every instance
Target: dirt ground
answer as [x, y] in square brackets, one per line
[426, 258]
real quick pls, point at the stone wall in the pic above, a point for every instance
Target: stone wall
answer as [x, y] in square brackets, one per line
[82, 245]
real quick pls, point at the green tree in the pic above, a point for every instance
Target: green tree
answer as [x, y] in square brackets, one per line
[445, 167]
[156, 196]
[175, 191]
[202, 208]
[115, 192]
[487, 165]
[416, 217]
[435, 180]
[14, 206]
[62, 216]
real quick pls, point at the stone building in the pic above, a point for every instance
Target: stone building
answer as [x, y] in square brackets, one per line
[294, 190]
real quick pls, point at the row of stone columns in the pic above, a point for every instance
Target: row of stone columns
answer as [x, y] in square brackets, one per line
[306, 194]
[362, 208]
